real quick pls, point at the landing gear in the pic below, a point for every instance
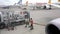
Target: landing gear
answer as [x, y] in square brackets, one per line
[50, 7]
[2, 25]
[44, 7]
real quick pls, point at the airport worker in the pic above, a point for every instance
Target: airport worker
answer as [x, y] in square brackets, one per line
[31, 24]
[27, 22]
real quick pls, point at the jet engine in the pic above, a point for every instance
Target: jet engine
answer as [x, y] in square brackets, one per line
[53, 27]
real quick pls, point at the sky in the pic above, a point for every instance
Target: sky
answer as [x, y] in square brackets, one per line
[8, 2]
[11, 2]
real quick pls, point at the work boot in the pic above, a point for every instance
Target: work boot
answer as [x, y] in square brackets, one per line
[31, 28]
[26, 26]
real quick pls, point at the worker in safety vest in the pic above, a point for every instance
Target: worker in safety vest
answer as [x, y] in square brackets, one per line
[31, 24]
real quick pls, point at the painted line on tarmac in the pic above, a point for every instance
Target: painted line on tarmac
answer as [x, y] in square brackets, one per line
[40, 24]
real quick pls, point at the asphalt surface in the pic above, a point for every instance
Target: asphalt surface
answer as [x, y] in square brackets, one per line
[40, 18]
[44, 16]
[38, 29]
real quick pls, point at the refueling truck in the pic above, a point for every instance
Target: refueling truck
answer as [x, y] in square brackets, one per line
[13, 17]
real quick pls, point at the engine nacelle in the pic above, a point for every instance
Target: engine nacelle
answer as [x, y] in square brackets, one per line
[53, 27]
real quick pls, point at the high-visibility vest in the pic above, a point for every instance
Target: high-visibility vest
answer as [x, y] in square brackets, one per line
[31, 21]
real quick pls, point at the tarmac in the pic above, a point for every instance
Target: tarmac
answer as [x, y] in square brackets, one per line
[38, 29]
[40, 17]
[44, 16]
